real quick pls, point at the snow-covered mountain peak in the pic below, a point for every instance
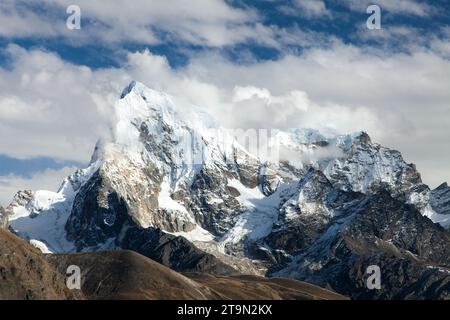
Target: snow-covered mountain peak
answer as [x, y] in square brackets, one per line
[143, 112]
[140, 101]
[132, 86]
[306, 136]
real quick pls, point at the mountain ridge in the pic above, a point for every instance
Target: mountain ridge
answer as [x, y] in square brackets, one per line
[169, 176]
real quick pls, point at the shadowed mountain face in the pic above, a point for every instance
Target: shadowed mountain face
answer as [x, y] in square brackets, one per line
[26, 273]
[412, 252]
[176, 253]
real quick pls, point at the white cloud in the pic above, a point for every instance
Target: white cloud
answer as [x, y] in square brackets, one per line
[22, 23]
[43, 180]
[52, 108]
[390, 34]
[310, 8]
[295, 109]
[441, 46]
[405, 7]
[208, 23]
[211, 23]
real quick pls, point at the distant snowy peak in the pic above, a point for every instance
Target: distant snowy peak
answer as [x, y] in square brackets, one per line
[40, 216]
[440, 198]
[306, 136]
[367, 165]
[351, 161]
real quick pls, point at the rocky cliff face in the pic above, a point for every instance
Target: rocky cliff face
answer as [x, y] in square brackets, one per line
[175, 187]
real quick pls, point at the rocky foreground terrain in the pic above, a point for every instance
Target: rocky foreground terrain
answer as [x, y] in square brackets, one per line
[175, 187]
[26, 273]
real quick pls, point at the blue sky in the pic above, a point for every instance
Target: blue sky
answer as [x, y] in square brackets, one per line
[56, 84]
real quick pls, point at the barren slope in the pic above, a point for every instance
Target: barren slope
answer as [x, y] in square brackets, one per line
[129, 275]
[25, 273]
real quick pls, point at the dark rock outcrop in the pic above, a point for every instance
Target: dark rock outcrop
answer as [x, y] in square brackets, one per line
[175, 252]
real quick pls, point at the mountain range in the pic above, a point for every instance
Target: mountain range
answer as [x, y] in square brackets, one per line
[175, 187]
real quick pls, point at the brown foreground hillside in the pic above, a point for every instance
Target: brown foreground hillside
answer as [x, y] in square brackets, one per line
[25, 273]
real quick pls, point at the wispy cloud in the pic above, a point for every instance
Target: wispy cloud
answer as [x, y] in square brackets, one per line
[401, 7]
[210, 23]
[307, 8]
[51, 108]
